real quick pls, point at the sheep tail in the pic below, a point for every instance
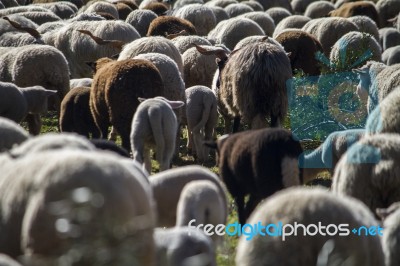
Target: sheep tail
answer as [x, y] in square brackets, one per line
[204, 118]
[156, 123]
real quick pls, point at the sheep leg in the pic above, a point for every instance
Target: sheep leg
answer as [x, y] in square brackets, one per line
[147, 160]
[258, 122]
[240, 204]
[228, 125]
[198, 144]
[34, 123]
[113, 134]
[236, 124]
[189, 145]
[275, 121]
[251, 205]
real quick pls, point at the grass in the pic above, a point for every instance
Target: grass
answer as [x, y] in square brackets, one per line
[227, 251]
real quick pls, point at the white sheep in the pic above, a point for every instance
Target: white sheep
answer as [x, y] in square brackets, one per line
[333, 244]
[278, 13]
[292, 22]
[219, 12]
[16, 103]
[40, 17]
[154, 124]
[202, 118]
[202, 17]
[100, 6]
[368, 171]
[11, 134]
[318, 9]
[201, 201]
[168, 185]
[141, 19]
[181, 246]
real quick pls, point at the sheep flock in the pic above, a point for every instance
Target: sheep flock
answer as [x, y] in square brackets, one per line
[199, 132]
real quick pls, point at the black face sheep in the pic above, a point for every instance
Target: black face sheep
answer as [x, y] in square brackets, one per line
[302, 47]
[11, 134]
[115, 90]
[202, 118]
[252, 82]
[369, 170]
[168, 185]
[258, 163]
[166, 25]
[327, 219]
[154, 124]
[75, 114]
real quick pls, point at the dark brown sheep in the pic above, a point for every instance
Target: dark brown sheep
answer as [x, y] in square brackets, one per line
[115, 90]
[168, 25]
[123, 10]
[157, 7]
[75, 115]
[302, 47]
[132, 4]
[360, 8]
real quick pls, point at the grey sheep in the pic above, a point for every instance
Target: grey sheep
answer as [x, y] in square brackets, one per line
[154, 126]
[256, 6]
[292, 22]
[183, 43]
[202, 17]
[366, 24]
[391, 55]
[181, 246]
[235, 10]
[168, 185]
[263, 20]
[62, 9]
[389, 37]
[219, 12]
[387, 9]
[202, 118]
[308, 207]
[368, 171]
[278, 13]
[11, 134]
[141, 19]
[40, 17]
[319, 9]
[100, 6]
[284, 4]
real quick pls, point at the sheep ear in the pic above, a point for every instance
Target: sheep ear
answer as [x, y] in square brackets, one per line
[219, 52]
[140, 99]
[92, 65]
[175, 104]
[211, 144]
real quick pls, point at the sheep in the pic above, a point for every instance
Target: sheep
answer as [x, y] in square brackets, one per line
[101, 6]
[284, 4]
[107, 145]
[230, 32]
[308, 207]
[75, 115]
[351, 46]
[202, 202]
[299, 6]
[389, 37]
[256, 6]
[64, 10]
[362, 8]
[302, 47]
[256, 38]
[327, 155]
[40, 17]
[11, 134]
[202, 118]
[242, 96]
[123, 10]
[329, 30]
[154, 124]
[263, 20]
[391, 56]
[141, 19]
[365, 24]
[376, 81]
[383, 119]
[157, 7]
[183, 246]
[115, 90]
[292, 22]
[112, 194]
[83, 82]
[257, 163]
[202, 17]
[153, 44]
[219, 12]
[168, 185]
[318, 9]
[235, 10]
[368, 172]
[183, 43]
[166, 25]
[278, 13]
[19, 9]
[387, 9]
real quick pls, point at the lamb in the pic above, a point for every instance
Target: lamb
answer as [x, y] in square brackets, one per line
[387, 9]
[183, 246]
[318, 9]
[83, 82]
[292, 22]
[140, 20]
[75, 115]
[389, 37]
[327, 155]
[302, 47]
[166, 25]
[348, 50]
[263, 20]
[116, 199]
[365, 24]
[202, 17]
[237, 9]
[183, 43]
[202, 202]
[153, 44]
[278, 13]
[168, 185]
[242, 96]
[115, 90]
[368, 172]
[391, 56]
[384, 119]
[257, 163]
[17, 102]
[11, 134]
[154, 124]
[230, 32]
[308, 207]
[361, 8]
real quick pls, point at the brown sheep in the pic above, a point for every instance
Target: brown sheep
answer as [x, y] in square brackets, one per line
[361, 8]
[167, 25]
[115, 90]
[302, 47]
[75, 115]
[123, 10]
[157, 7]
